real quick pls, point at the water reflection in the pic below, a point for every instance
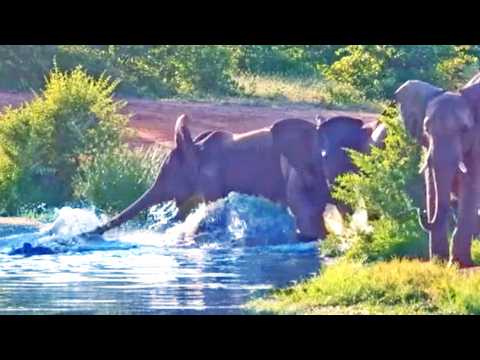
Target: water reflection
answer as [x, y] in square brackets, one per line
[147, 281]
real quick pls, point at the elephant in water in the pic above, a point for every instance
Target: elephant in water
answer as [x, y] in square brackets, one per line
[292, 163]
[450, 131]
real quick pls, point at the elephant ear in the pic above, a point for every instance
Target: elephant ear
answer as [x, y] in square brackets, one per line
[472, 95]
[296, 139]
[183, 138]
[413, 98]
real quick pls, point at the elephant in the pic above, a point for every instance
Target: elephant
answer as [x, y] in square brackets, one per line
[413, 98]
[293, 163]
[316, 156]
[450, 127]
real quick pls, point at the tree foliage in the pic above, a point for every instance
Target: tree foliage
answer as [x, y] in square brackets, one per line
[368, 71]
[42, 143]
[385, 186]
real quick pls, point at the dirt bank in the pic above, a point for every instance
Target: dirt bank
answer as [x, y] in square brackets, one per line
[154, 120]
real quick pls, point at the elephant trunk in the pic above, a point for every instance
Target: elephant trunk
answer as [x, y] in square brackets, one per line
[148, 199]
[443, 163]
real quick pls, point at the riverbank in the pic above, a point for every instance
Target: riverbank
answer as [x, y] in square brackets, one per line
[398, 287]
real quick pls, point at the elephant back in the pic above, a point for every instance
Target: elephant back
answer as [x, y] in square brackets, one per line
[343, 131]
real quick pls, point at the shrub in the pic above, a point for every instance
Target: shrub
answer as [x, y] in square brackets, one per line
[145, 70]
[338, 93]
[204, 69]
[374, 71]
[157, 70]
[454, 71]
[42, 143]
[113, 179]
[384, 186]
[377, 70]
[23, 67]
[280, 60]
[361, 68]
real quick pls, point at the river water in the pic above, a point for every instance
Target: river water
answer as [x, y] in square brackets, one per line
[221, 256]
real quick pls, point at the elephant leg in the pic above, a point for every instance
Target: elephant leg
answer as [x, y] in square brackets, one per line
[343, 209]
[438, 232]
[186, 208]
[307, 205]
[310, 223]
[467, 219]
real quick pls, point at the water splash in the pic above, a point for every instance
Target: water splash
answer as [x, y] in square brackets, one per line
[61, 236]
[237, 220]
[70, 222]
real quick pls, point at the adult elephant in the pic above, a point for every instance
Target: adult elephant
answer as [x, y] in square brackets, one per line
[320, 152]
[291, 163]
[451, 135]
[209, 167]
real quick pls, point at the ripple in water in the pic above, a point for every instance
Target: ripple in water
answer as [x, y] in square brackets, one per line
[221, 255]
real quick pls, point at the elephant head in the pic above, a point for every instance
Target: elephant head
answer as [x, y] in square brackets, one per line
[413, 98]
[176, 179]
[319, 151]
[448, 126]
[299, 142]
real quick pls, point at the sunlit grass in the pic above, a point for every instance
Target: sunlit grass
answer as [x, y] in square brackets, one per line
[311, 91]
[395, 287]
[277, 88]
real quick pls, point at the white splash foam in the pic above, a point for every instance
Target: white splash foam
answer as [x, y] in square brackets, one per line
[71, 222]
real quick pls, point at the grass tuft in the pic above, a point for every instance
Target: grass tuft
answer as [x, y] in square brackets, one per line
[395, 287]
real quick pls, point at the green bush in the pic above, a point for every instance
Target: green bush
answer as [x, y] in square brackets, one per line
[43, 142]
[354, 71]
[378, 70]
[143, 70]
[343, 94]
[202, 70]
[23, 67]
[280, 60]
[113, 179]
[384, 186]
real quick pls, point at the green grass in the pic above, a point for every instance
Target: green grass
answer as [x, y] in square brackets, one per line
[395, 287]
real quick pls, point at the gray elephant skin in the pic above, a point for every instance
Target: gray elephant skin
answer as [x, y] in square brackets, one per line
[292, 163]
[451, 133]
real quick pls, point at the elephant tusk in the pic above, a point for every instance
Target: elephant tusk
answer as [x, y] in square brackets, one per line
[324, 153]
[435, 187]
[422, 221]
[424, 167]
[462, 167]
[427, 159]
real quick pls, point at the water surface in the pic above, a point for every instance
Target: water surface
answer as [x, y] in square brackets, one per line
[221, 256]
